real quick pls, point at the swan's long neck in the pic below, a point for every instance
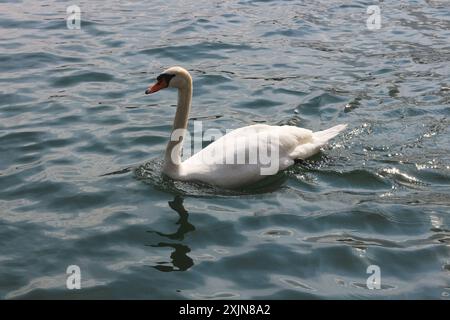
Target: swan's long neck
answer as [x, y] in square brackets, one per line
[172, 158]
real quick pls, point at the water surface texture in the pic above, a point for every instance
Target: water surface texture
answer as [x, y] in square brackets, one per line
[81, 149]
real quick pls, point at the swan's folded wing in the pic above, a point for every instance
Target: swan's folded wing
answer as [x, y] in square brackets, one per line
[248, 142]
[245, 154]
[230, 148]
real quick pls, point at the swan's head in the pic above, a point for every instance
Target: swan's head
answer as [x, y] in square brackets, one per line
[174, 77]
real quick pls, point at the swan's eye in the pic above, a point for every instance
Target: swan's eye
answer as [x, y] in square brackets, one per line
[166, 77]
[162, 81]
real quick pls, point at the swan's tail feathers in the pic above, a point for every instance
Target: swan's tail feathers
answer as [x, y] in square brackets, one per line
[322, 137]
[319, 139]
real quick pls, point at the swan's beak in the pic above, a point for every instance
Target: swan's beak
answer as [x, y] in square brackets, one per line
[156, 87]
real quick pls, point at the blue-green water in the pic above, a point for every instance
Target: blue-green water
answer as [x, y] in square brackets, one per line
[72, 109]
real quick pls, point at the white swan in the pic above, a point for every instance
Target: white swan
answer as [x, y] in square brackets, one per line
[241, 157]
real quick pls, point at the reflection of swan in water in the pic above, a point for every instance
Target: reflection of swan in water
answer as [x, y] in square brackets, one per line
[185, 226]
[180, 260]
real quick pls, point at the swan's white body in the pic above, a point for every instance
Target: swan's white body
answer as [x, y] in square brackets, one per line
[218, 163]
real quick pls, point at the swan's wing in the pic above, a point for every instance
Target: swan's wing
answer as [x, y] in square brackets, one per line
[229, 145]
[245, 142]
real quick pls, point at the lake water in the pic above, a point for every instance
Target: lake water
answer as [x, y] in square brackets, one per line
[81, 149]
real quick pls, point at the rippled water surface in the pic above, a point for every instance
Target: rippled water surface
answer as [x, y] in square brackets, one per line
[81, 149]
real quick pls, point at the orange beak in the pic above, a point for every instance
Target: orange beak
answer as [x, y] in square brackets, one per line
[161, 84]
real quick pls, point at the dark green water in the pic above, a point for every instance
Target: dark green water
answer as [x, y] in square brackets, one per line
[72, 108]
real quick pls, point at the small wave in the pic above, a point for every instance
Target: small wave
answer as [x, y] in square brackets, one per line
[400, 177]
[216, 295]
[71, 80]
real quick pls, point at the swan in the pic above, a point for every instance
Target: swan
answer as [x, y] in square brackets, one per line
[242, 156]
